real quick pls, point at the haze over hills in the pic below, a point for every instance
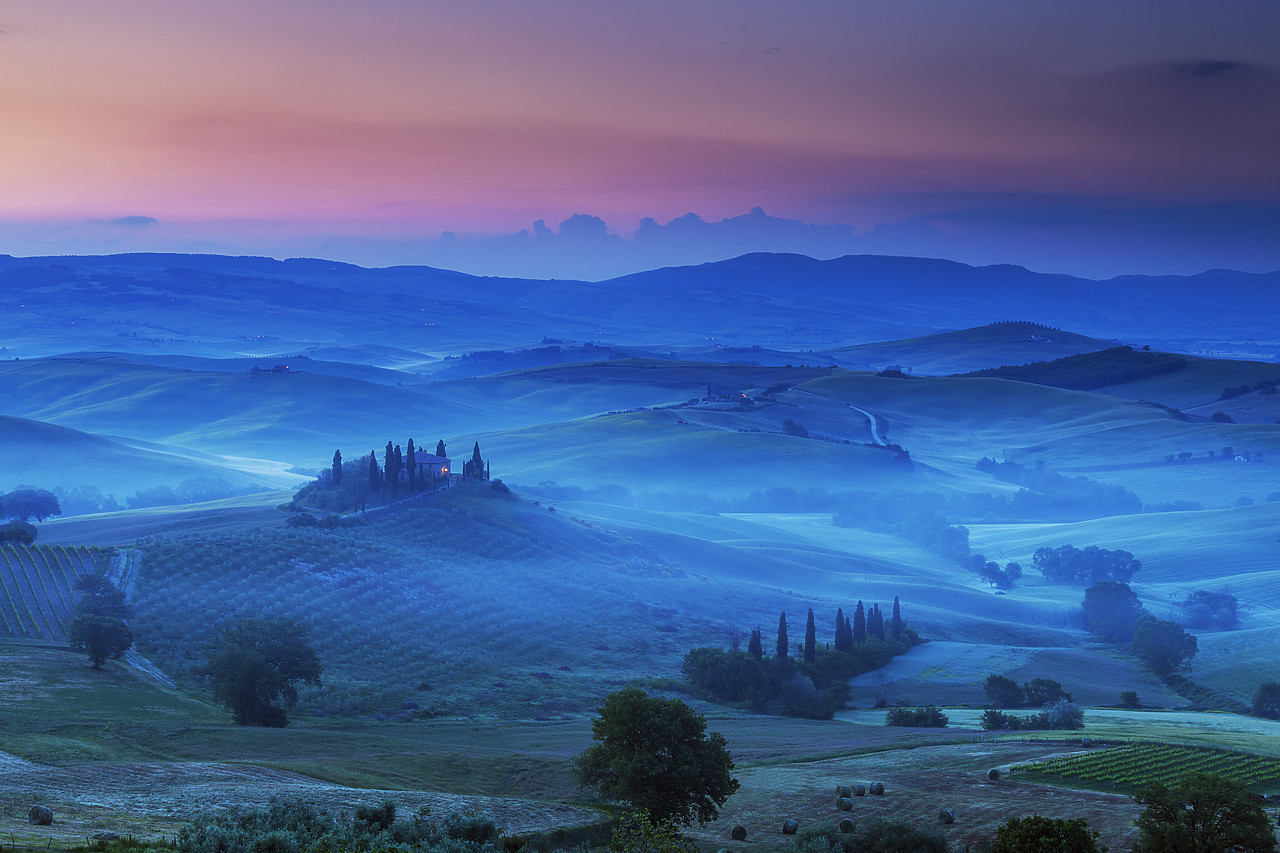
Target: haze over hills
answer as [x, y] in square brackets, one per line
[689, 451]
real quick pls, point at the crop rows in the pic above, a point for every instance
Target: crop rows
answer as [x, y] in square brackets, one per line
[1129, 767]
[36, 587]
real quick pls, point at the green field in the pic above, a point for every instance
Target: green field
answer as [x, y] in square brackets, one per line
[1127, 768]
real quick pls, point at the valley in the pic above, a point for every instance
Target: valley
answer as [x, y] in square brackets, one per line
[684, 455]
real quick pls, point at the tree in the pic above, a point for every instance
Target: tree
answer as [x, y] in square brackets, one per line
[1162, 645]
[1042, 691]
[755, 646]
[810, 639]
[389, 472]
[25, 504]
[1063, 714]
[875, 622]
[1266, 702]
[18, 532]
[1201, 813]
[1110, 609]
[98, 628]
[656, 755]
[780, 650]
[440, 448]
[411, 457]
[375, 476]
[255, 663]
[896, 620]
[1037, 834]
[1003, 692]
[337, 468]
[100, 637]
[859, 624]
[841, 642]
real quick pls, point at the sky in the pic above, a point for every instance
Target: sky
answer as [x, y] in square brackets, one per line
[587, 138]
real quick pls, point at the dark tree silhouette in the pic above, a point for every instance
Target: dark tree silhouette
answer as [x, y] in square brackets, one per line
[657, 755]
[98, 628]
[810, 639]
[897, 619]
[440, 449]
[782, 649]
[1201, 813]
[1110, 609]
[842, 643]
[859, 624]
[411, 458]
[337, 468]
[388, 471]
[375, 476]
[1162, 645]
[755, 646]
[255, 663]
[25, 504]
[1266, 701]
[397, 477]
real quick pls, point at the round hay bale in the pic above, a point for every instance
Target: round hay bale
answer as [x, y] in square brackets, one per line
[847, 825]
[859, 790]
[993, 774]
[844, 804]
[40, 815]
[877, 788]
[790, 827]
[844, 791]
[738, 833]
[946, 818]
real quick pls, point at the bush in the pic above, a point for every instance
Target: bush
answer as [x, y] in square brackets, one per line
[1266, 701]
[1063, 714]
[1037, 834]
[1129, 700]
[823, 837]
[927, 717]
[1003, 692]
[880, 835]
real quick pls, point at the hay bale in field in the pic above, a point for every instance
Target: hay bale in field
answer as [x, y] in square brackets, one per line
[946, 818]
[40, 815]
[877, 788]
[738, 833]
[859, 790]
[844, 804]
[847, 825]
[844, 791]
[993, 774]
[790, 827]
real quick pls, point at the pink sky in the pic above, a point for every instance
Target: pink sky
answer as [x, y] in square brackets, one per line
[243, 125]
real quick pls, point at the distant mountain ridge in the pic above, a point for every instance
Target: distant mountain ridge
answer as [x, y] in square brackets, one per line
[219, 306]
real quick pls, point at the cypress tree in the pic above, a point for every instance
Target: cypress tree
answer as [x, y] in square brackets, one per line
[337, 468]
[810, 639]
[848, 636]
[375, 476]
[477, 464]
[399, 471]
[840, 647]
[875, 622]
[411, 457]
[897, 619]
[755, 647]
[440, 448]
[781, 650]
[859, 624]
[388, 471]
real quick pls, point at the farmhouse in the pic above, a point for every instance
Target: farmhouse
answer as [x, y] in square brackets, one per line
[428, 466]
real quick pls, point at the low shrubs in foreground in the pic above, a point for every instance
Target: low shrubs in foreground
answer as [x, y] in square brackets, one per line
[928, 717]
[295, 826]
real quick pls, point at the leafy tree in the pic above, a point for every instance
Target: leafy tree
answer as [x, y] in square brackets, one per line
[926, 717]
[1204, 609]
[656, 755]
[782, 647]
[1003, 692]
[1110, 609]
[1042, 691]
[1201, 813]
[1129, 700]
[810, 638]
[100, 637]
[25, 504]
[755, 646]
[859, 624]
[1162, 645]
[337, 468]
[897, 619]
[255, 663]
[98, 628]
[1037, 834]
[1088, 565]
[1266, 702]
[17, 531]
[1063, 714]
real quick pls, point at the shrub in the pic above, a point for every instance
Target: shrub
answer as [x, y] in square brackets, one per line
[927, 717]
[880, 835]
[1037, 834]
[1063, 714]
[1266, 701]
[824, 837]
[1129, 700]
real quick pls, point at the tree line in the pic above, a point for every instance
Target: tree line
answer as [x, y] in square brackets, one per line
[810, 680]
[349, 485]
